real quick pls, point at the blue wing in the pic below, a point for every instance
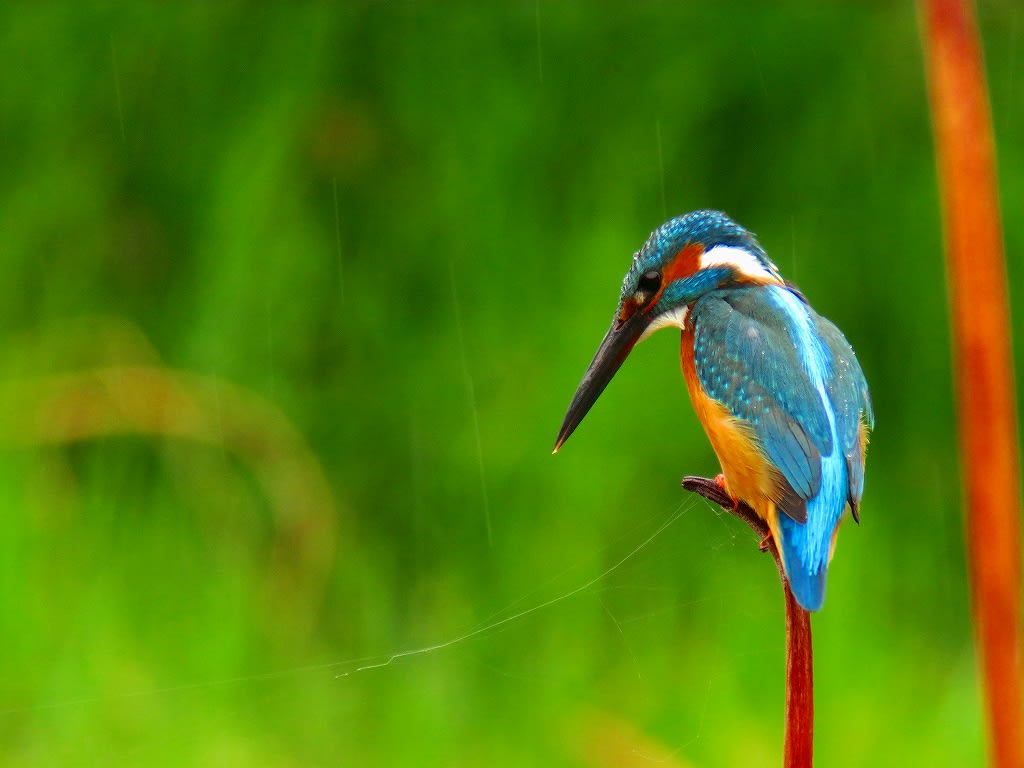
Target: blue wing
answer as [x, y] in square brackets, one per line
[746, 359]
[848, 391]
[791, 375]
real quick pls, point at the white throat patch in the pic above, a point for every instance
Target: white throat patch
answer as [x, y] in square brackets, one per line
[673, 318]
[743, 261]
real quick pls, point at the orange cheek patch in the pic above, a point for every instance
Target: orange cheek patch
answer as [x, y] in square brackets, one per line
[685, 263]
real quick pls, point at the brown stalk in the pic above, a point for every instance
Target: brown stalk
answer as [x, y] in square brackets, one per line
[983, 365]
[799, 746]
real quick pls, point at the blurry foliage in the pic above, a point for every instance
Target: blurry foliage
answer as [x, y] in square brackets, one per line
[266, 212]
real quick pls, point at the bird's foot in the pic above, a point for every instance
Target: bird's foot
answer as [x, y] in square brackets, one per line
[720, 482]
[714, 491]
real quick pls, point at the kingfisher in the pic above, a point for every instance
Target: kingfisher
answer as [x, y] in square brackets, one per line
[776, 386]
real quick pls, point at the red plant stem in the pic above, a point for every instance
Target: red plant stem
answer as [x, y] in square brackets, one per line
[799, 746]
[983, 363]
[799, 750]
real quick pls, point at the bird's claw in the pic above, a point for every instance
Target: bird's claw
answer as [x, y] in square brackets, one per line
[720, 482]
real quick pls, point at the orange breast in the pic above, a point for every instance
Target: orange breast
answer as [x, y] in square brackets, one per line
[748, 474]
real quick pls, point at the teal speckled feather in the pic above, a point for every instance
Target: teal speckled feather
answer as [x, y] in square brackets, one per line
[802, 394]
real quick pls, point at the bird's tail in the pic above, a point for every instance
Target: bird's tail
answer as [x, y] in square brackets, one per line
[805, 568]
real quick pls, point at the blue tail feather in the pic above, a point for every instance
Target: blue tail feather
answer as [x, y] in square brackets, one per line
[807, 580]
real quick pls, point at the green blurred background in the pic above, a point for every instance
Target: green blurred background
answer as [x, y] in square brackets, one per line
[293, 298]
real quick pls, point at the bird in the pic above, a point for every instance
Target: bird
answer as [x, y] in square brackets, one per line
[775, 385]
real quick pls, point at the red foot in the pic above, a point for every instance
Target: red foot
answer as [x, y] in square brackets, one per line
[766, 543]
[720, 482]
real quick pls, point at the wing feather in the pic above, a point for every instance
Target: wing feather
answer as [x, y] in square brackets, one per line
[848, 391]
[746, 360]
[791, 376]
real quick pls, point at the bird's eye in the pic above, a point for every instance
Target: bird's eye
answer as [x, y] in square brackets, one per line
[649, 284]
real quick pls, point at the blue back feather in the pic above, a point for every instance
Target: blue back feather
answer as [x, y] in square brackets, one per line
[773, 362]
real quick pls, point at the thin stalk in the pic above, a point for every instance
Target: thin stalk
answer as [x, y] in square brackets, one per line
[983, 365]
[799, 744]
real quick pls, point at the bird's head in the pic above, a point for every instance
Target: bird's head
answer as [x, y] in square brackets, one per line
[682, 260]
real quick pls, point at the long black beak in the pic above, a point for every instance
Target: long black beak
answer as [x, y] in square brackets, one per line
[614, 349]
